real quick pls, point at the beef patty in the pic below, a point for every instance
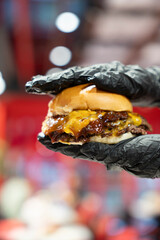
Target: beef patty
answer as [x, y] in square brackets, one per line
[106, 123]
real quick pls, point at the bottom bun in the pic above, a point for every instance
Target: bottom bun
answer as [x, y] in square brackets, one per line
[108, 140]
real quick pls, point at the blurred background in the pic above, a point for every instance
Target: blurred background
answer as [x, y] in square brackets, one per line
[46, 195]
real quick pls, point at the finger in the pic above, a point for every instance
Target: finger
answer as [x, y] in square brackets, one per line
[51, 84]
[56, 82]
[155, 85]
[131, 80]
[58, 147]
[141, 86]
[140, 156]
[88, 151]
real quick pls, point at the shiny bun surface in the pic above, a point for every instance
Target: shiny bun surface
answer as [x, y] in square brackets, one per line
[84, 97]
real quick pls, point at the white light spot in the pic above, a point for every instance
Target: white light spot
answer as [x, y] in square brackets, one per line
[67, 22]
[60, 56]
[2, 84]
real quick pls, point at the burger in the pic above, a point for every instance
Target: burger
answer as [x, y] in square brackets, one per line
[84, 113]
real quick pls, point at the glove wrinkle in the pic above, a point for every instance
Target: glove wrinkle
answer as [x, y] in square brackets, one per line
[140, 85]
[94, 150]
[141, 155]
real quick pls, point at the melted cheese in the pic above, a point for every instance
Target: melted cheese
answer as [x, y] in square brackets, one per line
[133, 119]
[136, 119]
[80, 119]
[77, 120]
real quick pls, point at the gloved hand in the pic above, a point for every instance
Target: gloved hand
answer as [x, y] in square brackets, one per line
[140, 155]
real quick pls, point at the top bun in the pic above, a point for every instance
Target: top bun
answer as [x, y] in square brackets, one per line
[85, 97]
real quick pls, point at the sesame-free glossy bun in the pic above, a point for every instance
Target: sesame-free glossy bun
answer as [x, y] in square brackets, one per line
[84, 97]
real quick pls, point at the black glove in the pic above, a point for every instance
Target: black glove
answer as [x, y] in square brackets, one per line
[138, 84]
[139, 155]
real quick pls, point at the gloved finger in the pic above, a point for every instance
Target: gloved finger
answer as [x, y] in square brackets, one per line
[56, 82]
[140, 156]
[154, 89]
[140, 85]
[109, 77]
[88, 151]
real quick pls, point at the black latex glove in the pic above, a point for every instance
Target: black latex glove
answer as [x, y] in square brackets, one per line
[139, 155]
[138, 84]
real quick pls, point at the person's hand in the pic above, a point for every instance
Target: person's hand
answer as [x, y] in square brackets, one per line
[138, 84]
[140, 155]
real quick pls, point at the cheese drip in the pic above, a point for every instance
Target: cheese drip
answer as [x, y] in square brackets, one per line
[79, 120]
[75, 121]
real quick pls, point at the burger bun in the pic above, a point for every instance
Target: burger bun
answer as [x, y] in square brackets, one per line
[87, 97]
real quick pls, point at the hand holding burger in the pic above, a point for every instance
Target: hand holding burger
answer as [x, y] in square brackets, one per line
[91, 116]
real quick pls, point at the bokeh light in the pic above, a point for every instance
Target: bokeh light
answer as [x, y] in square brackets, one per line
[2, 84]
[67, 22]
[60, 55]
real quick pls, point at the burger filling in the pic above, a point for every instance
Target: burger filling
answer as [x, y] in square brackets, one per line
[81, 125]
